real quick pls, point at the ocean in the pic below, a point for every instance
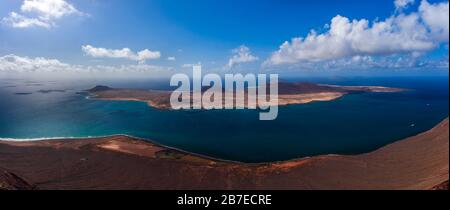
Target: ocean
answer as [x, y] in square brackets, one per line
[356, 123]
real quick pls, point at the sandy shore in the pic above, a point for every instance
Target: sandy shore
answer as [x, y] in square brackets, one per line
[289, 94]
[305, 98]
[120, 162]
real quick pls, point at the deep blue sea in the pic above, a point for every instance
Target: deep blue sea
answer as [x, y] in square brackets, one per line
[353, 124]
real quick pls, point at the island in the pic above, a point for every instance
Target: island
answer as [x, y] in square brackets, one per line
[288, 93]
[123, 162]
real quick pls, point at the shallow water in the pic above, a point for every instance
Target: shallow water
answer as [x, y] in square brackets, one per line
[353, 124]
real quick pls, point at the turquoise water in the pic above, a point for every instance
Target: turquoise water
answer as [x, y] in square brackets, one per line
[350, 125]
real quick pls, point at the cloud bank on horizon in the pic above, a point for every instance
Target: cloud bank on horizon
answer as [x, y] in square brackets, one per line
[17, 64]
[396, 42]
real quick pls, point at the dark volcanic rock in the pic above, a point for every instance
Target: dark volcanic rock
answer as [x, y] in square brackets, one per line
[10, 181]
[51, 91]
[99, 88]
[442, 186]
[23, 93]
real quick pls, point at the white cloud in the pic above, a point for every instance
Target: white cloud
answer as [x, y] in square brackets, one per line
[357, 63]
[126, 53]
[19, 21]
[147, 54]
[171, 58]
[436, 18]
[401, 33]
[401, 4]
[13, 63]
[49, 9]
[40, 13]
[17, 65]
[242, 54]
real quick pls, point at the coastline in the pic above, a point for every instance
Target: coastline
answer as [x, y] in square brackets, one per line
[288, 94]
[143, 140]
[155, 143]
[411, 161]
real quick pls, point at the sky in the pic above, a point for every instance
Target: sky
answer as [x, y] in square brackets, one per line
[158, 38]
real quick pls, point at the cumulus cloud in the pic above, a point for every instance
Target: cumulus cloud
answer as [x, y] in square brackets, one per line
[126, 53]
[416, 32]
[401, 4]
[40, 13]
[242, 54]
[171, 58]
[17, 65]
[19, 21]
[436, 18]
[49, 9]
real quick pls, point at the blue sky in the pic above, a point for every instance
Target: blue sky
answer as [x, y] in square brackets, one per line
[212, 32]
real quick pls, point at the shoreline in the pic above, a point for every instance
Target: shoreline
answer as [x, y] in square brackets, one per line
[417, 162]
[143, 140]
[150, 141]
[288, 94]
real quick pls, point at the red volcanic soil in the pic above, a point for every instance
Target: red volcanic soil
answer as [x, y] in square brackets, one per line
[120, 162]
